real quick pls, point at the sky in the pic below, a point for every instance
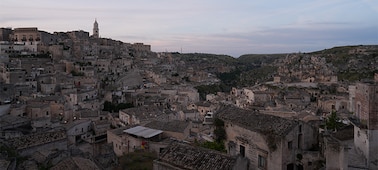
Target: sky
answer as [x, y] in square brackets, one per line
[228, 27]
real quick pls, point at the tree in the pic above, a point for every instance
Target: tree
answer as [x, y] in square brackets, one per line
[332, 122]
[219, 146]
[219, 130]
[110, 107]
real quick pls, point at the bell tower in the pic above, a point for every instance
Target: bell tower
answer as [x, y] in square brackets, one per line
[95, 29]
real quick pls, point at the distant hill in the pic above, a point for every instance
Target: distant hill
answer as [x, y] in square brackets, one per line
[258, 59]
[347, 63]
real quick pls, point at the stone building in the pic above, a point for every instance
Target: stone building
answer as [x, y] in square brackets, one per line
[366, 122]
[205, 107]
[12, 75]
[269, 142]
[118, 139]
[8, 124]
[329, 103]
[38, 110]
[76, 35]
[26, 35]
[141, 115]
[139, 47]
[130, 139]
[179, 130]
[184, 156]
[77, 130]
[338, 150]
[103, 65]
[5, 33]
[29, 37]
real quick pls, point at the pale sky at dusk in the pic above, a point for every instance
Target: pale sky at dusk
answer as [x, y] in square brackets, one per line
[207, 26]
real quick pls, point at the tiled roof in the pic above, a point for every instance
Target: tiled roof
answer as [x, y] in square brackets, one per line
[37, 139]
[143, 111]
[76, 163]
[8, 120]
[257, 122]
[172, 126]
[190, 157]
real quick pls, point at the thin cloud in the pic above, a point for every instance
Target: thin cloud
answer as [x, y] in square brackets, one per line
[214, 26]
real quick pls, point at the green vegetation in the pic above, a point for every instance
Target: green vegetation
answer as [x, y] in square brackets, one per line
[246, 76]
[335, 50]
[257, 75]
[258, 59]
[220, 132]
[137, 161]
[45, 167]
[220, 137]
[230, 79]
[111, 107]
[218, 146]
[204, 90]
[352, 76]
[350, 63]
[11, 153]
[205, 58]
[246, 70]
[333, 123]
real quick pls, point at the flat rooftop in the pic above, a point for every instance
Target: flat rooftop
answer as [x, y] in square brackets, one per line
[144, 132]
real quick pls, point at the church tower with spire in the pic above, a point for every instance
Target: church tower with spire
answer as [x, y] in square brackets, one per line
[95, 29]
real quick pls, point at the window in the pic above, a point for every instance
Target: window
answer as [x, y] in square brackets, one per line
[300, 128]
[300, 141]
[262, 162]
[242, 150]
[290, 145]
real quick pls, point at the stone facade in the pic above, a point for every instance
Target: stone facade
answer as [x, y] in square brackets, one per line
[366, 125]
[26, 34]
[141, 47]
[77, 129]
[124, 143]
[178, 130]
[269, 142]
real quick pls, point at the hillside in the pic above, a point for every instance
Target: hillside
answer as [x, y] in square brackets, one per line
[345, 63]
